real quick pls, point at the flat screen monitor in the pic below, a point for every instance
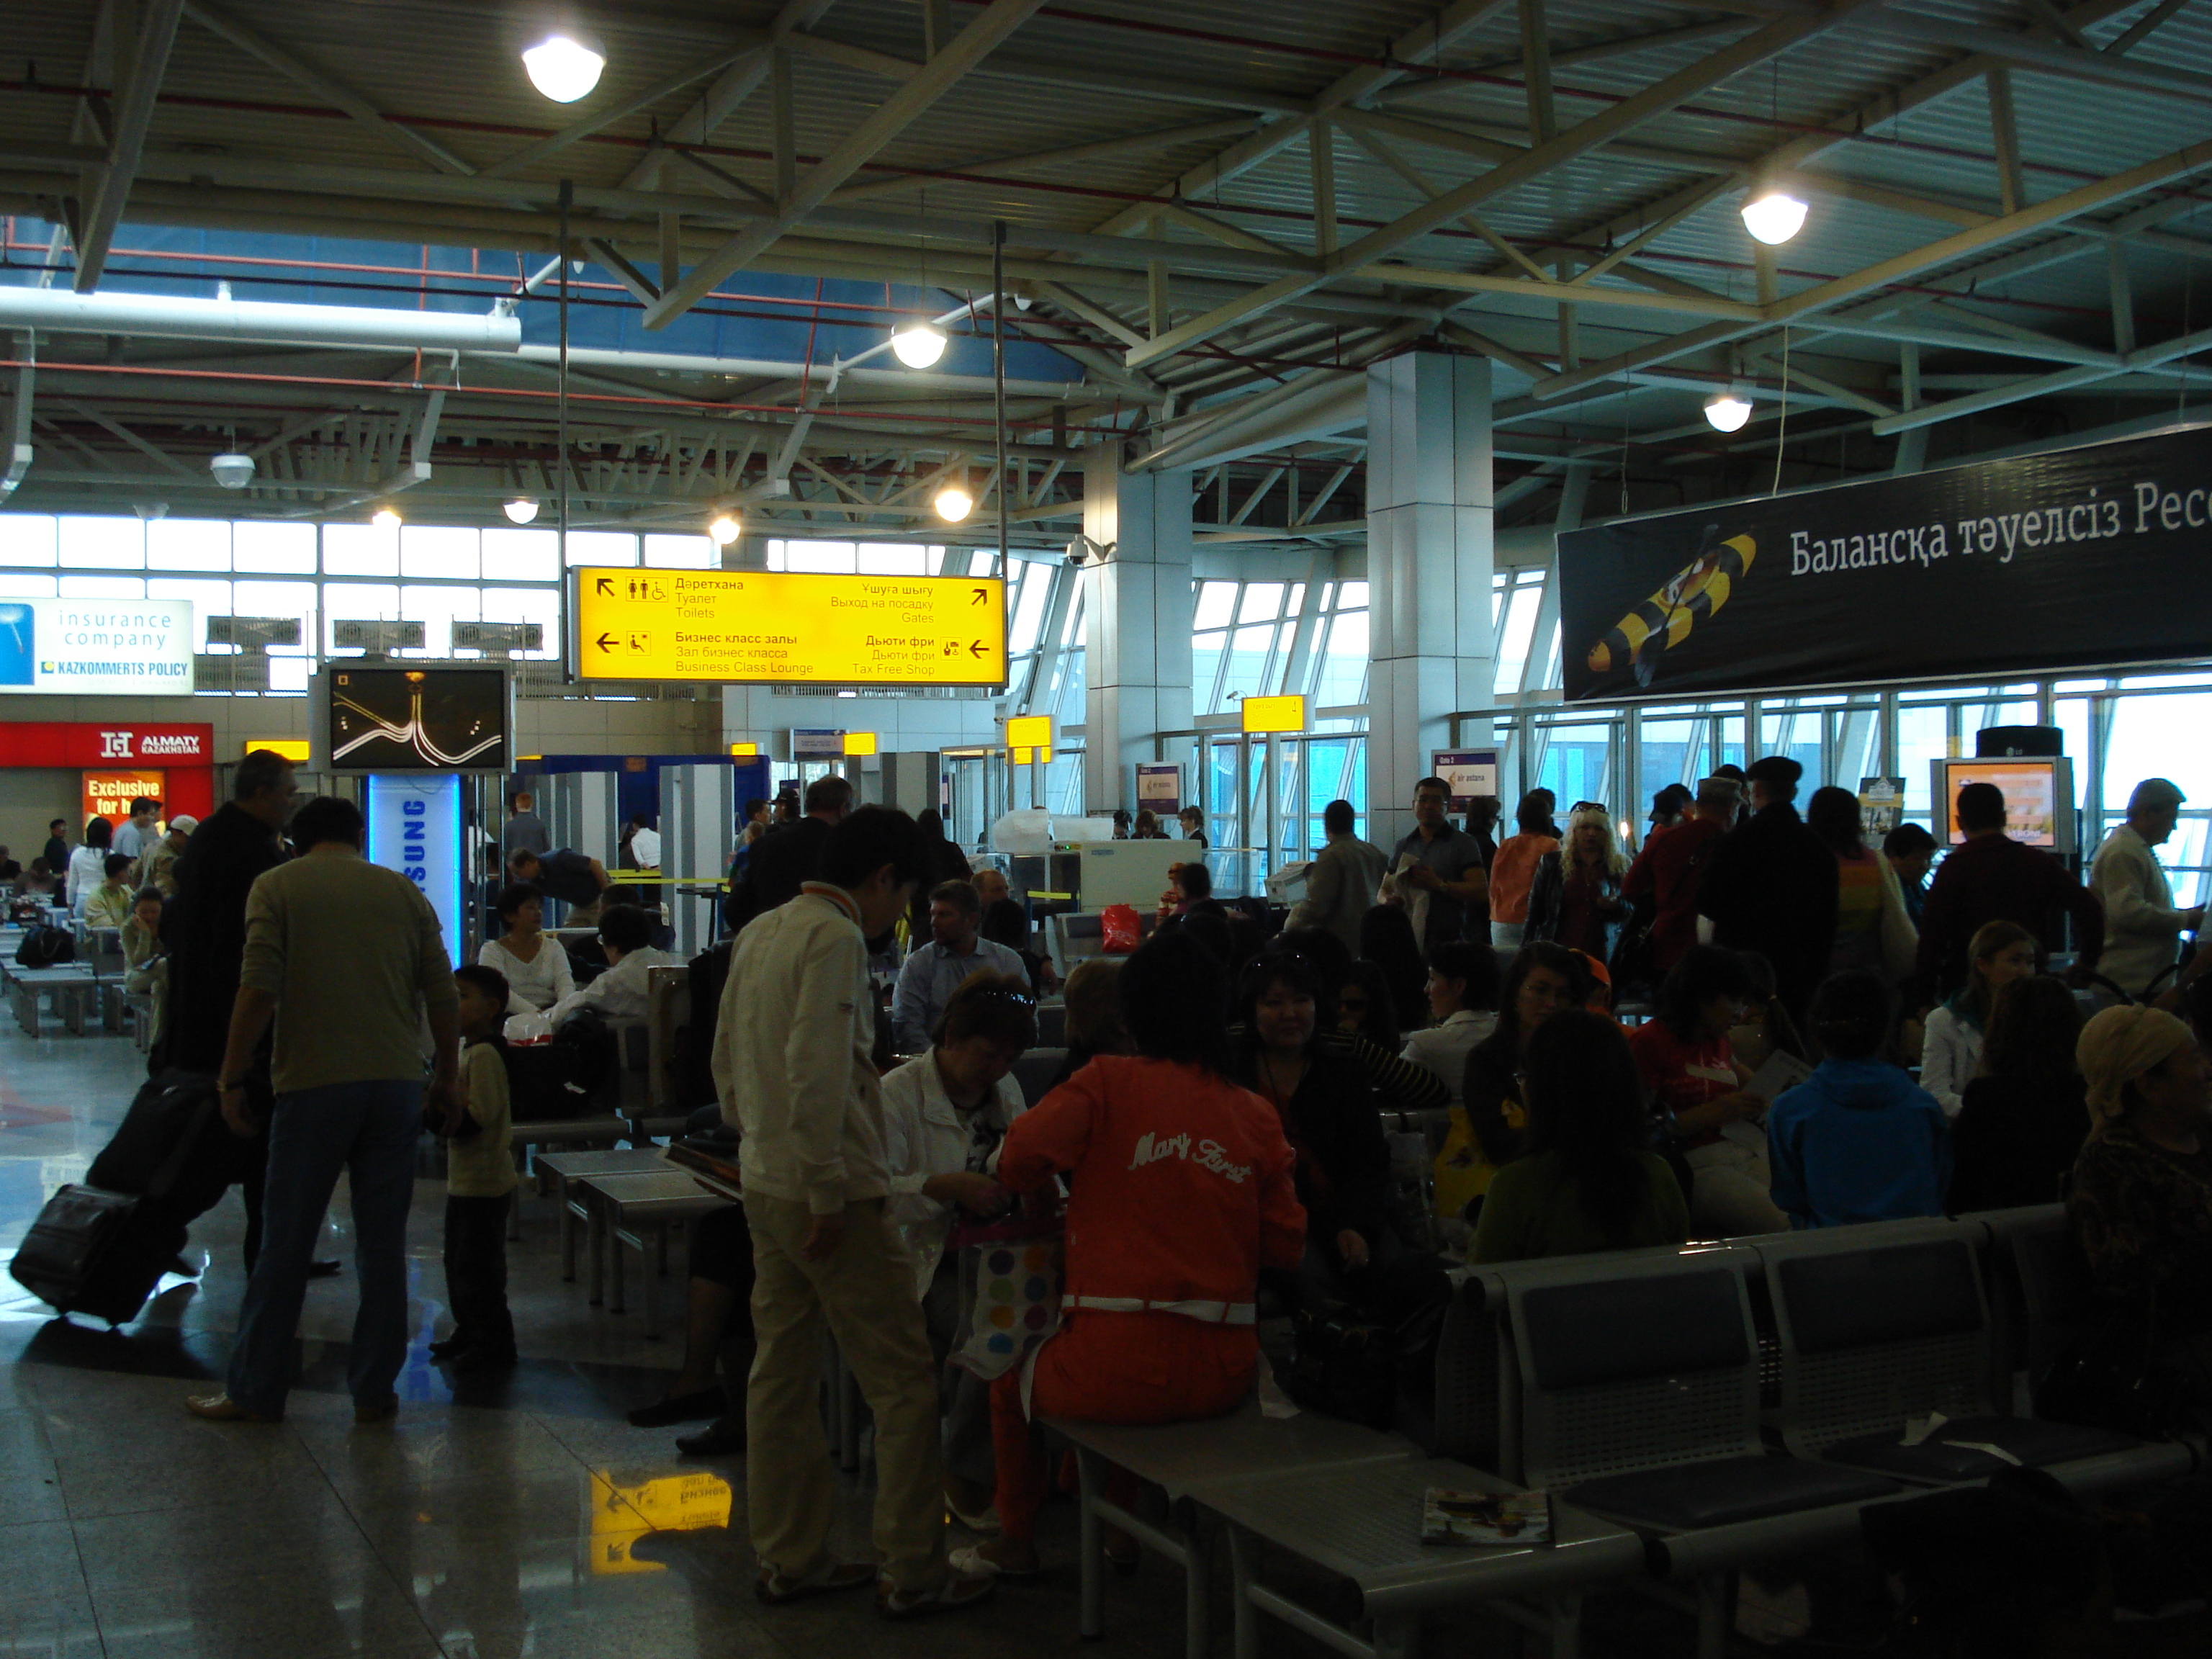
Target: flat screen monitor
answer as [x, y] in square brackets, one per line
[406, 717]
[2038, 793]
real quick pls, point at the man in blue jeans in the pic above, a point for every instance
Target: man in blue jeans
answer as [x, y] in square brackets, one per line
[346, 958]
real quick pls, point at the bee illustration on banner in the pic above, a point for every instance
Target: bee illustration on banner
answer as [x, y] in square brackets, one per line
[1691, 594]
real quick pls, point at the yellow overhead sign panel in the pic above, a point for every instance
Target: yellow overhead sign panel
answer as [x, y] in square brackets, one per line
[1274, 714]
[1028, 731]
[773, 627]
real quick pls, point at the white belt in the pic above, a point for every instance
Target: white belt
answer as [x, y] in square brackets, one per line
[1207, 1313]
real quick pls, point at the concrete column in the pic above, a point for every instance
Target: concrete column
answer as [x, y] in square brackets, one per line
[1136, 622]
[1428, 559]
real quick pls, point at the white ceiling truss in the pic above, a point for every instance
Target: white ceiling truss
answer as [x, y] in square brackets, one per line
[1216, 215]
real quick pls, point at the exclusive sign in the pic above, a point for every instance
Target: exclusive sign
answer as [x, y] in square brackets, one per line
[2075, 559]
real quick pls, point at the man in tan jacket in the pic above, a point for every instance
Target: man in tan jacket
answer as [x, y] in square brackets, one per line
[1340, 886]
[792, 1071]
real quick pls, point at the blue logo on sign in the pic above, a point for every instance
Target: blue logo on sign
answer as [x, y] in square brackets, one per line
[19, 643]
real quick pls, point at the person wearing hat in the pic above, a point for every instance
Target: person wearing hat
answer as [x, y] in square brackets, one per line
[2141, 926]
[157, 864]
[1770, 885]
[1662, 883]
[2141, 1203]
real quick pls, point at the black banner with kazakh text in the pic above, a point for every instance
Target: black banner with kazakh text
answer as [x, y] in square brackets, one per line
[2075, 559]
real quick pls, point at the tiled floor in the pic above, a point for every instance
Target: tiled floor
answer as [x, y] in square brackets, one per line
[524, 1517]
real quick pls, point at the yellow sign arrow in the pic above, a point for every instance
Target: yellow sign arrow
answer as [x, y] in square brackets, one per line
[775, 628]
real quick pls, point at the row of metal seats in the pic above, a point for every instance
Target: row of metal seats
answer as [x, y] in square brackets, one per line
[1692, 1410]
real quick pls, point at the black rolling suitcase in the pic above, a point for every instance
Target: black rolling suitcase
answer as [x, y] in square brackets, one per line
[102, 1247]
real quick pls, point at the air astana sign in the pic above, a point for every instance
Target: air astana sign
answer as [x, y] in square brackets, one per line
[2079, 558]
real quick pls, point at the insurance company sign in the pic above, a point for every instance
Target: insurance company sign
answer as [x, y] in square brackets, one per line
[96, 647]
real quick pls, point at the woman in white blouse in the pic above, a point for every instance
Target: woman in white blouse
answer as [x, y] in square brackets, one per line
[944, 1113]
[88, 865]
[536, 966]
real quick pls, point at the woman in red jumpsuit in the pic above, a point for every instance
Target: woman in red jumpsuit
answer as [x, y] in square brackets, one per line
[1181, 1191]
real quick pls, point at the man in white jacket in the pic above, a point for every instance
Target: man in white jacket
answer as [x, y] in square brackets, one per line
[2142, 928]
[792, 1070]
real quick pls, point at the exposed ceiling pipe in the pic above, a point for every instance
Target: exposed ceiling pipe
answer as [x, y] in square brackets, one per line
[171, 317]
[761, 368]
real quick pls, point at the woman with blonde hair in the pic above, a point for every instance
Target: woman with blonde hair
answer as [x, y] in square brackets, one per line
[1575, 897]
[1951, 1046]
[2141, 1207]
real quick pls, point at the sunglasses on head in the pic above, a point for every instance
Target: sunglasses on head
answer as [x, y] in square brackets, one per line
[1002, 994]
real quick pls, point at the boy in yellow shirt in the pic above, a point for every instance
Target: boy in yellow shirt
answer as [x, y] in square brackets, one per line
[479, 1185]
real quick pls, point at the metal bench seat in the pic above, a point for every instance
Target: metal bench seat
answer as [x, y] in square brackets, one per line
[1725, 1492]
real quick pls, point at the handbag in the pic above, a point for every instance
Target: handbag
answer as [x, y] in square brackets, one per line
[2119, 1379]
[1014, 1272]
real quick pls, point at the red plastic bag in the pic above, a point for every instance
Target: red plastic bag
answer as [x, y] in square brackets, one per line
[1121, 930]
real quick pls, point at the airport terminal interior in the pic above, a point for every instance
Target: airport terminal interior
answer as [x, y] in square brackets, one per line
[1180, 451]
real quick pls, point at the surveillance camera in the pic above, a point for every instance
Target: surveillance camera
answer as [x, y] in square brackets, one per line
[1083, 550]
[231, 470]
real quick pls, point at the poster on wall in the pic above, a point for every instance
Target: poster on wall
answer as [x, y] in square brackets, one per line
[415, 828]
[1881, 807]
[1160, 789]
[2077, 558]
[96, 647]
[109, 794]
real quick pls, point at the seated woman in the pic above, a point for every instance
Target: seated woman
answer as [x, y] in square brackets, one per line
[1182, 1192]
[1365, 1007]
[1092, 998]
[1462, 998]
[1485, 1128]
[145, 963]
[2027, 1111]
[1387, 940]
[2141, 1205]
[1698, 1093]
[1586, 1183]
[946, 1114]
[1950, 1050]
[1327, 1108]
[109, 905]
[536, 966]
[1005, 922]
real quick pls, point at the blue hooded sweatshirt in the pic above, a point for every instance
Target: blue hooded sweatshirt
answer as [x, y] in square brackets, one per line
[1858, 1141]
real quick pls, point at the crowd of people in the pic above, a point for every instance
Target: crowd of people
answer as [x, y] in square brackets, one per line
[1719, 1037]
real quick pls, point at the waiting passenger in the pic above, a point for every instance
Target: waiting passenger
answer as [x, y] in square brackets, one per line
[946, 1114]
[1343, 879]
[620, 992]
[480, 1184]
[1437, 871]
[1575, 897]
[1858, 1141]
[1911, 849]
[1388, 939]
[2140, 1203]
[37, 882]
[1873, 931]
[1770, 885]
[1588, 1182]
[1190, 886]
[536, 968]
[1513, 868]
[2143, 925]
[108, 905]
[1183, 1191]
[137, 833]
[1463, 998]
[1664, 880]
[567, 875]
[1701, 1095]
[1486, 1131]
[89, 863]
[1327, 1106]
[1366, 1008]
[1989, 877]
[56, 849]
[2026, 1114]
[1766, 1029]
[1670, 810]
[145, 961]
[955, 949]
[1950, 1050]
[1006, 923]
[990, 885]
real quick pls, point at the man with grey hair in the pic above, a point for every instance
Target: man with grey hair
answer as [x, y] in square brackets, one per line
[2141, 926]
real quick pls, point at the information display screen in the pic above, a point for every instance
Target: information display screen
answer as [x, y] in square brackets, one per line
[776, 628]
[2038, 797]
[393, 718]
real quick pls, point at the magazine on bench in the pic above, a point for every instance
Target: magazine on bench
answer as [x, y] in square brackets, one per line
[1480, 1517]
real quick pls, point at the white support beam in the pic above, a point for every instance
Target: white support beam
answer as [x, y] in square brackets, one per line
[134, 114]
[1757, 48]
[15, 461]
[328, 87]
[2123, 299]
[1536, 72]
[1321, 150]
[998, 20]
[2004, 136]
[731, 87]
[2049, 57]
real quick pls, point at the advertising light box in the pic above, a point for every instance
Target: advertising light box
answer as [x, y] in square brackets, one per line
[776, 628]
[96, 647]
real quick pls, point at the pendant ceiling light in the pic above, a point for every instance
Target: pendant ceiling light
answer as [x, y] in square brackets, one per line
[1726, 412]
[919, 344]
[521, 510]
[1773, 216]
[954, 503]
[563, 67]
[385, 518]
[724, 530]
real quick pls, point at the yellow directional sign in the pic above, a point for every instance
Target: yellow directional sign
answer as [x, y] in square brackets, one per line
[773, 628]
